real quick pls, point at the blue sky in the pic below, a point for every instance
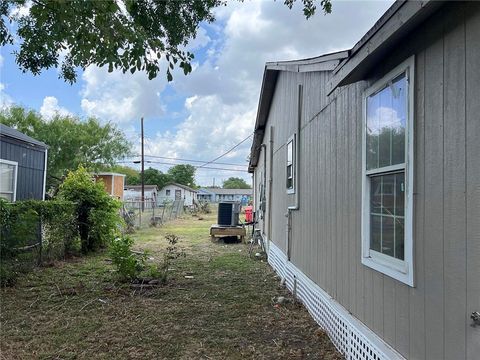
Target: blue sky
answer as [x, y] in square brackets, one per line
[201, 115]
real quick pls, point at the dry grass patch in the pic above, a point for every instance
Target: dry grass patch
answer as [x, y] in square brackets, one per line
[77, 310]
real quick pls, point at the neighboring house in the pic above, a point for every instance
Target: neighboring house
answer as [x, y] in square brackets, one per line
[23, 166]
[366, 171]
[174, 191]
[205, 195]
[217, 195]
[114, 183]
[132, 195]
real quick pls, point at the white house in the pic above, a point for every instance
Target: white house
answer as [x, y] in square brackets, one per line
[174, 191]
[218, 195]
[133, 194]
[206, 195]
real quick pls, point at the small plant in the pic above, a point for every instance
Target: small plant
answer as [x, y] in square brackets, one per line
[128, 264]
[8, 275]
[205, 208]
[172, 253]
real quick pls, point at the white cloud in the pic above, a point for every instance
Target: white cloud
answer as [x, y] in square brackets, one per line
[119, 97]
[211, 129]
[5, 100]
[221, 93]
[50, 108]
[22, 10]
[389, 119]
[200, 41]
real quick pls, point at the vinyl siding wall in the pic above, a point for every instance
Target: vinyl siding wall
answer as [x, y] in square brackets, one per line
[430, 320]
[31, 166]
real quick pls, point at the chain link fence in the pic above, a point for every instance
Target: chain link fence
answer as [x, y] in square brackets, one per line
[142, 214]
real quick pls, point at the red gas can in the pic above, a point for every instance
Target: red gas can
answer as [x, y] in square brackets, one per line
[248, 213]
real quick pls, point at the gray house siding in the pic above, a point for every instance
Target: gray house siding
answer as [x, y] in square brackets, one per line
[31, 167]
[430, 320]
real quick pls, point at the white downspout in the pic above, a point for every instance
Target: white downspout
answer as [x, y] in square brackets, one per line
[270, 183]
[264, 148]
[296, 178]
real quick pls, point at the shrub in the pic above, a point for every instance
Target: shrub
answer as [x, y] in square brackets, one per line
[128, 264]
[97, 214]
[8, 275]
[31, 230]
[172, 253]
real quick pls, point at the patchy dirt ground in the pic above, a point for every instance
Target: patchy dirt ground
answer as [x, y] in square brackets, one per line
[76, 309]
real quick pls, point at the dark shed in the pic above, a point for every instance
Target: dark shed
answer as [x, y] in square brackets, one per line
[23, 167]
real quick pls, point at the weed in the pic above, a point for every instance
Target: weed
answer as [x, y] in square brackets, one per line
[128, 264]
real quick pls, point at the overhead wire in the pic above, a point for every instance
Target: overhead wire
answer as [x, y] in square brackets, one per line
[197, 167]
[227, 152]
[203, 166]
[181, 159]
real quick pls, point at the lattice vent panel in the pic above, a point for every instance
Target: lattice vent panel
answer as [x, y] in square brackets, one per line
[347, 337]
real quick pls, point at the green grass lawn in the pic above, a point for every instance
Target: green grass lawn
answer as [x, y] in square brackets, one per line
[78, 310]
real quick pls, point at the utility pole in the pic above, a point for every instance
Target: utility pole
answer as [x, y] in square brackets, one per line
[143, 169]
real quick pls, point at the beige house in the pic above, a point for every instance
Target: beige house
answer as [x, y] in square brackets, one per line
[366, 168]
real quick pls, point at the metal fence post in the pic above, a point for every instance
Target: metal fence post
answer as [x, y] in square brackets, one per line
[139, 214]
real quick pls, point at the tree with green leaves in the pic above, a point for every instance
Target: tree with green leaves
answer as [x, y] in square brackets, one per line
[129, 35]
[183, 174]
[235, 183]
[72, 142]
[156, 177]
[132, 176]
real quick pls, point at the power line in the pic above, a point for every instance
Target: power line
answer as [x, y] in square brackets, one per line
[190, 160]
[197, 167]
[227, 152]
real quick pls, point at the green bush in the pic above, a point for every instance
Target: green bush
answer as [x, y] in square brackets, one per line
[8, 275]
[97, 214]
[21, 223]
[32, 231]
[128, 264]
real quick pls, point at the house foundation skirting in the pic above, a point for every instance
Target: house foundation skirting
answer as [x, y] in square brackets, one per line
[351, 337]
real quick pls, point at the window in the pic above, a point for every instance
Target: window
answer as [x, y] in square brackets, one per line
[167, 192]
[8, 180]
[387, 243]
[290, 166]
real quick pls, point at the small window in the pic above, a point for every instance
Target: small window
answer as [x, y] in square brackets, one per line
[387, 243]
[167, 192]
[8, 180]
[291, 165]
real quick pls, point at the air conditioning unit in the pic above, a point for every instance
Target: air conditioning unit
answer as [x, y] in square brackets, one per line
[228, 213]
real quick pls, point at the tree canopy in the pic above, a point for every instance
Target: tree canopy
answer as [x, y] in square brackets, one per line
[132, 176]
[156, 177]
[72, 142]
[183, 174]
[129, 35]
[235, 183]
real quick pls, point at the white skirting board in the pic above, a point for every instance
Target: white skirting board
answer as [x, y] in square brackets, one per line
[351, 337]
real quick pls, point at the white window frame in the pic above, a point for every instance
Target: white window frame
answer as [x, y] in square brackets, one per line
[15, 176]
[401, 270]
[291, 139]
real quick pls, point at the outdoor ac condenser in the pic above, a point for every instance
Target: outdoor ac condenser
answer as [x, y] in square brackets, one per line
[228, 213]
